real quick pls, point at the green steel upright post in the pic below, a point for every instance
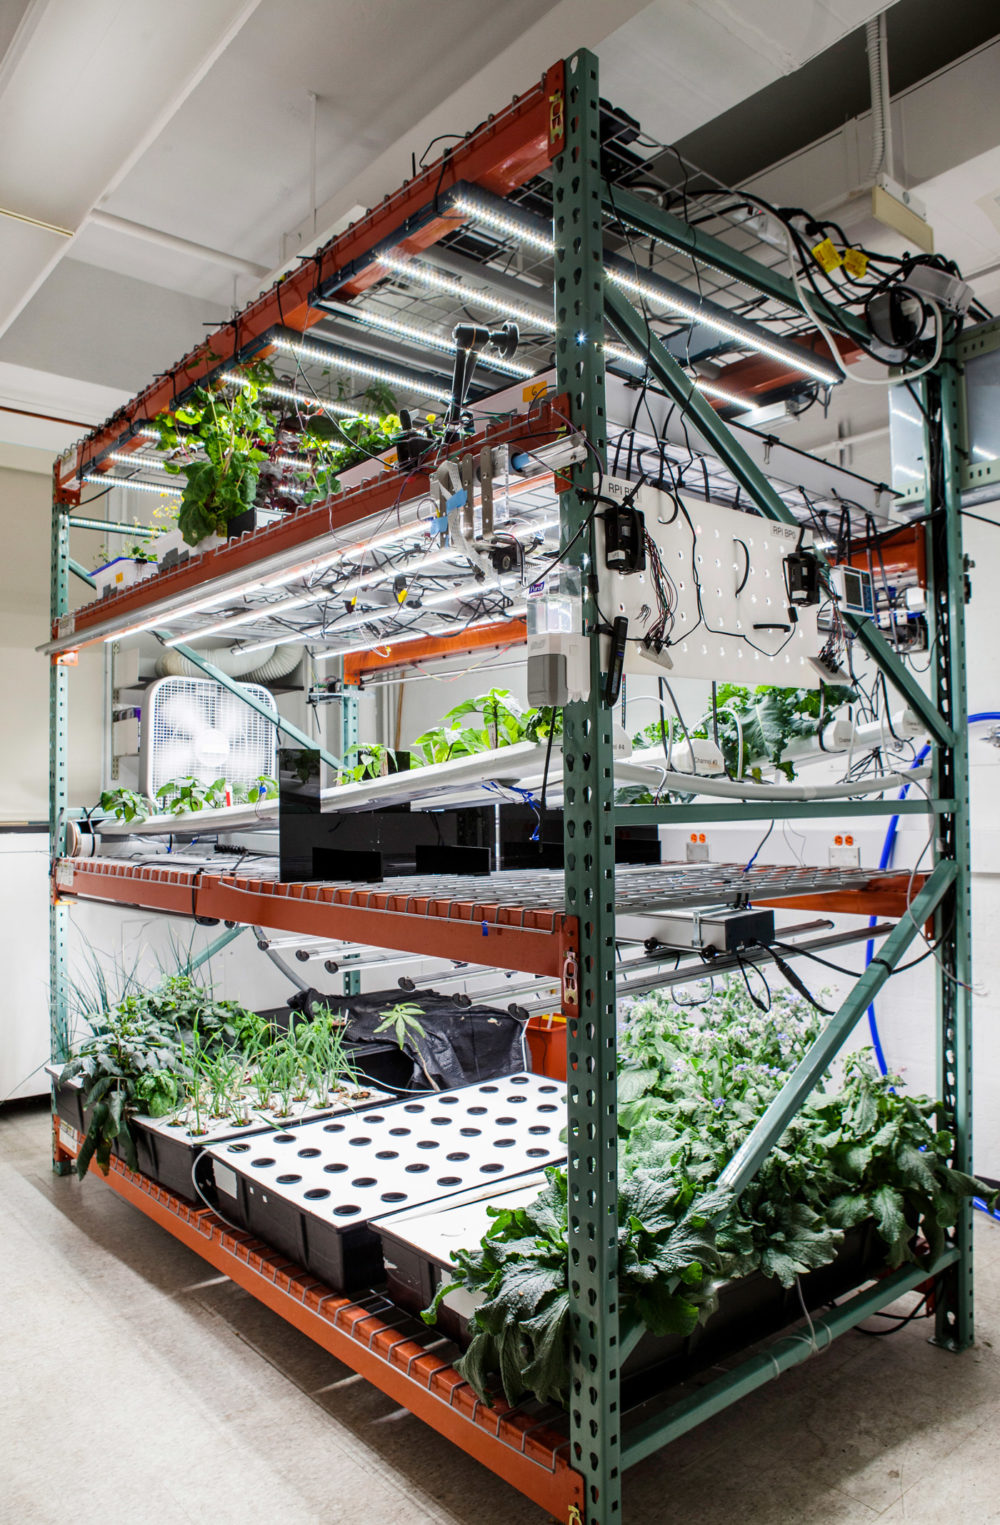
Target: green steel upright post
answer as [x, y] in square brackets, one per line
[953, 925]
[58, 800]
[595, 1419]
[350, 735]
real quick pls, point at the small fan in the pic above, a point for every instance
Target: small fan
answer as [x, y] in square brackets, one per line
[192, 727]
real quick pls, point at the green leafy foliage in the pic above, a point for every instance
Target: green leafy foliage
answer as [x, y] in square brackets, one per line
[692, 1084]
[231, 434]
[403, 1021]
[126, 805]
[494, 719]
[756, 725]
[180, 796]
[127, 1063]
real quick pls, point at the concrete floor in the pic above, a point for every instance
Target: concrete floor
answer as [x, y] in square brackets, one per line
[138, 1387]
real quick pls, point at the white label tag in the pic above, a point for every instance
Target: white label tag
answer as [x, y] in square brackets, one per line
[225, 1179]
[64, 876]
[66, 625]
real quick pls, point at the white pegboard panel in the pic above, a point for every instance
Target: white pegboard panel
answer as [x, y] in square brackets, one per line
[725, 579]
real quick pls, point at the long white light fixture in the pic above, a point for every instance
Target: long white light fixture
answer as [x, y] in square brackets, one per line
[292, 394]
[690, 310]
[398, 536]
[517, 611]
[152, 461]
[105, 479]
[358, 367]
[314, 596]
[424, 336]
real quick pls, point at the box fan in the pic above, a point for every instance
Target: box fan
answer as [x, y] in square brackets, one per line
[193, 727]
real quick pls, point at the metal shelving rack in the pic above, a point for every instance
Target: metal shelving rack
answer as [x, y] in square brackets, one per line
[571, 1464]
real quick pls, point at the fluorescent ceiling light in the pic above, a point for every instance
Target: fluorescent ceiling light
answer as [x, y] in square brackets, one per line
[509, 225]
[438, 282]
[151, 461]
[344, 362]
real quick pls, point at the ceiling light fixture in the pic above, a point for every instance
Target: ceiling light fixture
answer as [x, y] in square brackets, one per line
[425, 336]
[105, 479]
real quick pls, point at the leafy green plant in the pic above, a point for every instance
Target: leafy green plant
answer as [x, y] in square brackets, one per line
[128, 1063]
[230, 434]
[126, 804]
[691, 1086]
[182, 796]
[403, 1020]
[371, 757]
[498, 720]
[337, 444]
[754, 726]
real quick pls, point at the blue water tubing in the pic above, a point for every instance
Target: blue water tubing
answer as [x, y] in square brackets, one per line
[884, 861]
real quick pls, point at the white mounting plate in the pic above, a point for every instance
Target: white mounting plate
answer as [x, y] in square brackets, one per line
[738, 561]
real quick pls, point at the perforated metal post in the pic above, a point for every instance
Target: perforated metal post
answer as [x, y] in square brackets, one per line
[58, 743]
[953, 924]
[350, 735]
[589, 834]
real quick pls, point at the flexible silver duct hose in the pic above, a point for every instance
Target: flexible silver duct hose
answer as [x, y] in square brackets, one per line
[284, 660]
[878, 80]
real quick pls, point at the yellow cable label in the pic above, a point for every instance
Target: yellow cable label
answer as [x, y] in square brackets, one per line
[825, 254]
[855, 263]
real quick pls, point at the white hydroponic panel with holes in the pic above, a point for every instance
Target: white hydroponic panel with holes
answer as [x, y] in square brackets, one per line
[727, 613]
[313, 1192]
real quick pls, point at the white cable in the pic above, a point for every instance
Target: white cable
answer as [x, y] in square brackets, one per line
[868, 381]
[730, 789]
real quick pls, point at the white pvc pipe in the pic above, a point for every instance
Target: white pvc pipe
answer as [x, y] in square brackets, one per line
[728, 789]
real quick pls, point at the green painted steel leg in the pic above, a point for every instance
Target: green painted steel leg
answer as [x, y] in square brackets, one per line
[953, 927]
[350, 736]
[634, 328]
[58, 741]
[595, 1419]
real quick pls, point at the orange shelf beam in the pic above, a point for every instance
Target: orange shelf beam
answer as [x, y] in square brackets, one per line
[514, 1444]
[497, 634]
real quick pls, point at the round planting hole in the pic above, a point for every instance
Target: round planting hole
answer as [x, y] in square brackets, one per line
[449, 1180]
[283, 1138]
[489, 1090]
[333, 1127]
[513, 1100]
[346, 1210]
[548, 1088]
[491, 1169]
[504, 1143]
[417, 1169]
[470, 1132]
[387, 1154]
[260, 1163]
[360, 1140]
[428, 1143]
[506, 1122]
[308, 1154]
[364, 1181]
[335, 1168]
[540, 1128]
[440, 1122]
[288, 1180]
[448, 1101]
[413, 1106]
[535, 1154]
[547, 1106]
[521, 1080]
[317, 1193]
[394, 1196]
[459, 1154]
[477, 1111]
[238, 1148]
[398, 1132]
[373, 1117]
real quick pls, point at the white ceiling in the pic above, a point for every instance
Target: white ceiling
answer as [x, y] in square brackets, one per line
[194, 120]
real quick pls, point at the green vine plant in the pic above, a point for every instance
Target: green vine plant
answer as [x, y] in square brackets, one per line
[337, 444]
[225, 439]
[403, 1021]
[754, 726]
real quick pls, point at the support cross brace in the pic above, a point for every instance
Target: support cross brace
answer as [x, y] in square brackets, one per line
[637, 332]
[751, 1155]
[278, 721]
[629, 208]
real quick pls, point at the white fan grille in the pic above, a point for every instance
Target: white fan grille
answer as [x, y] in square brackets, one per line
[194, 727]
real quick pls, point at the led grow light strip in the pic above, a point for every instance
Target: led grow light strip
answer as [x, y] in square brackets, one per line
[437, 282]
[419, 335]
[153, 462]
[292, 394]
[105, 479]
[387, 643]
[350, 363]
[692, 310]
